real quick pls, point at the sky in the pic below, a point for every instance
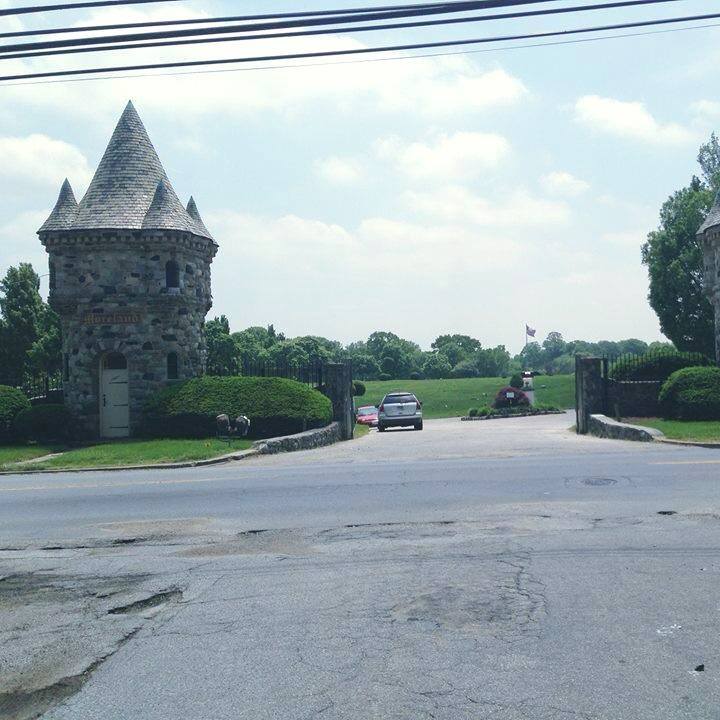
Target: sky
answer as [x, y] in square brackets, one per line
[469, 193]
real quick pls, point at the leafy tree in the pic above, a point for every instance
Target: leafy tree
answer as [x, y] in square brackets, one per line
[23, 317]
[553, 346]
[456, 347]
[493, 362]
[289, 352]
[45, 354]
[532, 356]
[436, 365]
[674, 260]
[222, 356]
[365, 367]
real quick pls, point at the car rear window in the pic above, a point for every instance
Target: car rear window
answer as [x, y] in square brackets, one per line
[396, 399]
[367, 411]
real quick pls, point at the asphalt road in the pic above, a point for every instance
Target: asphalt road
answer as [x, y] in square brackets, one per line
[499, 569]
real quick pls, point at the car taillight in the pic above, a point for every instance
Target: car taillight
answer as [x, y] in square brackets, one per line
[419, 404]
[381, 408]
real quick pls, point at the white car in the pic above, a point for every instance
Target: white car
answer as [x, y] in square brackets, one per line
[400, 409]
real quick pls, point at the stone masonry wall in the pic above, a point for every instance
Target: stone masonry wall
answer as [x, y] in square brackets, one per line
[121, 277]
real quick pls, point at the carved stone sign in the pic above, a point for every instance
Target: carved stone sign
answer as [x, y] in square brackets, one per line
[110, 319]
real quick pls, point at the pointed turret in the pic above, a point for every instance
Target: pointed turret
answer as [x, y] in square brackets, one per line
[64, 212]
[194, 213]
[166, 212]
[713, 217]
[125, 181]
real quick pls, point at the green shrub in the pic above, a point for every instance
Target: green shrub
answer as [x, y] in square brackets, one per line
[384, 376]
[465, 369]
[358, 388]
[275, 406]
[692, 393]
[472, 412]
[415, 375]
[516, 381]
[656, 366]
[44, 423]
[12, 401]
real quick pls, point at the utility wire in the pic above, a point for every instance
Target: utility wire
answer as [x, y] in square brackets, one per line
[437, 9]
[73, 6]
[238, 18]
[361, 61]
[357, 51]
[336, 31]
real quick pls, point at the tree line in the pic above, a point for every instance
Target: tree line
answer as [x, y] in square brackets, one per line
[387, 356]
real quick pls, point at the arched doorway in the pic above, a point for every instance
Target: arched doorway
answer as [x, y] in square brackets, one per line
[114, 400]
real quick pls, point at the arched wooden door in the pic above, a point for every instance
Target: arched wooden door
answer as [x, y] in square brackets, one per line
[114, 397]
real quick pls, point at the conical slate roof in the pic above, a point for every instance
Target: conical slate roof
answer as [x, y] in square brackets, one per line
[194, 213]
[713, 217]
[166, 212]
[124, 192]
[64, 212]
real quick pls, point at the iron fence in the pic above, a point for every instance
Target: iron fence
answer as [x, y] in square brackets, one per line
[310, 374]
[652, 366]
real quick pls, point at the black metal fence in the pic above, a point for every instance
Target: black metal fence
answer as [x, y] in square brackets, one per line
[652, 366]
[310, 374]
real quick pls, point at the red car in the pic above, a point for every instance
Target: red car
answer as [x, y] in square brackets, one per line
[367, 415]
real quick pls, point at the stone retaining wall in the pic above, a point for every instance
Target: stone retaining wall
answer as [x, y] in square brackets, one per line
[605, 427]
[301, 441]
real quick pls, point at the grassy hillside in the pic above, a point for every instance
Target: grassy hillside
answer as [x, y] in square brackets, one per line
[452, 398]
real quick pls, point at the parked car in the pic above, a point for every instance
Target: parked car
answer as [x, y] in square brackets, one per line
[367, 415]
[400, 409]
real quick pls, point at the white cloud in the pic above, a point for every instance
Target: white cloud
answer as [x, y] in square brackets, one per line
[447, 157]
[337, 170]
[563, 184]
[20, 243]
[434, 87]
[457, 204]
[41, 160]
[709, 109]
[628, 119]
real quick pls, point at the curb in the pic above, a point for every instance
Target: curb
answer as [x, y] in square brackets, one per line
[467, 418]
[241, 455]
[689, 443]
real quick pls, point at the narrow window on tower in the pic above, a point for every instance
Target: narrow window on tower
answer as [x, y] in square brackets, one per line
[172, 274]
[172, 366]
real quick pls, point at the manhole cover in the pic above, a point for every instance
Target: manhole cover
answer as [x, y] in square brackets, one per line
[597, 481]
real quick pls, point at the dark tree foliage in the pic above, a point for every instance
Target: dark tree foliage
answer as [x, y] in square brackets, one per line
[674, 260]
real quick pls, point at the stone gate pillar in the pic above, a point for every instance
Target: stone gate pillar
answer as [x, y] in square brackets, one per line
[589, 390]
[338, 387]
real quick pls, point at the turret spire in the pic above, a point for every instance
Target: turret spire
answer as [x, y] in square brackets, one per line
[64, 212]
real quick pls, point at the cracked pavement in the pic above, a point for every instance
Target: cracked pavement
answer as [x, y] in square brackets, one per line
[461, 572]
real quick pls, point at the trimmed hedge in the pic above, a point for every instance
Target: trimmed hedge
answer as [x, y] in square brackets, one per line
[275, 406]
[44, 423]
[358, 388]
[656, 366]
[12, 401]
[502, 401]
[691, 394]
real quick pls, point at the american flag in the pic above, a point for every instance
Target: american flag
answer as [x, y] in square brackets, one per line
[529, 331]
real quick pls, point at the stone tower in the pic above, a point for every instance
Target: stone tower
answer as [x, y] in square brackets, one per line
[130, 279]
[709, 237]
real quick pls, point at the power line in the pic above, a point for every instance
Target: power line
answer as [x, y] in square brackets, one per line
[421, 56]
[231, 18]
[73, 6]
[238, 18]
[336, 31]
[357, 51]
[435, 9]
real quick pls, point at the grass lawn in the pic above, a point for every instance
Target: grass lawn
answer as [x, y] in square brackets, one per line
[453, 398]
[20, 453]
[696, 430]
[361, 430]
[142, 452]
